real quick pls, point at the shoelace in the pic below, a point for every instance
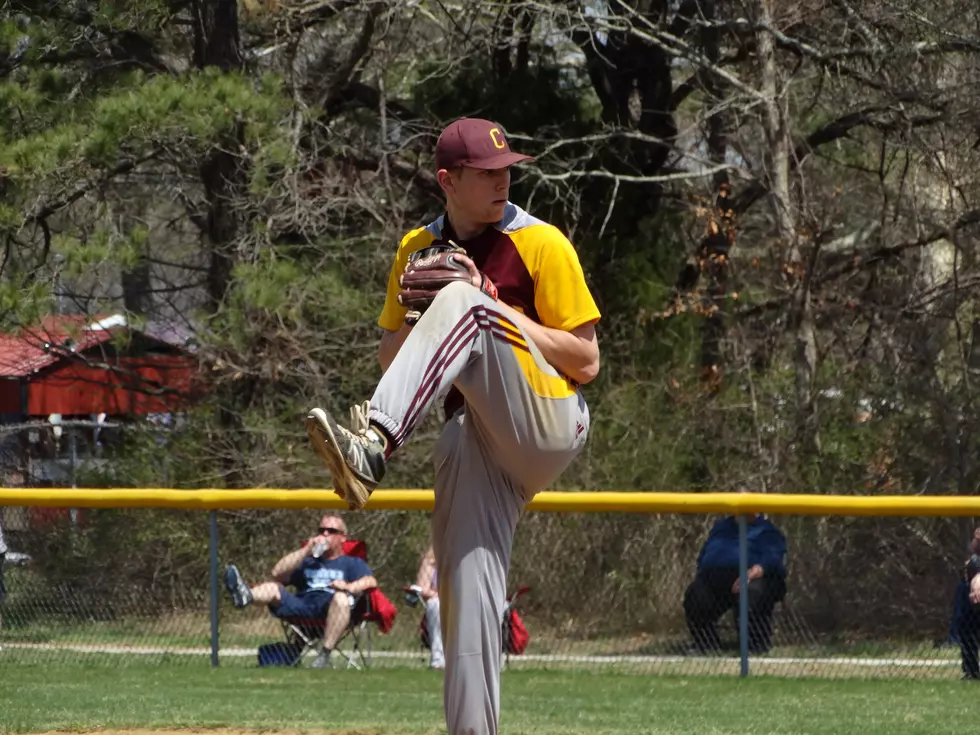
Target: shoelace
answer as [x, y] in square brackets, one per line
[359, 425]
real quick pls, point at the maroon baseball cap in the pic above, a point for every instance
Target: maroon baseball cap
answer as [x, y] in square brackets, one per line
[475, 143]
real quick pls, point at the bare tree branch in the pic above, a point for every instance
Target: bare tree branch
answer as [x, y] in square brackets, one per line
[124, 167]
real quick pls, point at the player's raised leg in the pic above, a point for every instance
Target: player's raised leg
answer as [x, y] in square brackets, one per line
[462, 332]
[435, 352]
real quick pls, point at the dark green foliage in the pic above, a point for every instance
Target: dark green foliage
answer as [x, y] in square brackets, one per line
[250, 184]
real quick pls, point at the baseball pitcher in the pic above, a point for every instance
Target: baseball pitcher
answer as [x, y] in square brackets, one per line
[488, 309]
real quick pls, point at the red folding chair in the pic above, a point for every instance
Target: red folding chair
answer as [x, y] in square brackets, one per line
[304, 635]
[515, 635]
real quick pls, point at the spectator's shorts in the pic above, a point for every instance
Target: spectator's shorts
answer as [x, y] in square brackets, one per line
[3, 589]
[311, 605]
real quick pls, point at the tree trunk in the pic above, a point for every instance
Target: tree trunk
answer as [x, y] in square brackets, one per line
[223, 177]
[796, 273]
[136, 288]
[136, 281]
[216, 40]
[713, 256]
[217, 44]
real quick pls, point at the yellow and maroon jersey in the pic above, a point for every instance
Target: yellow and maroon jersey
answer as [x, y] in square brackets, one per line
[536, 271]
[533, 265]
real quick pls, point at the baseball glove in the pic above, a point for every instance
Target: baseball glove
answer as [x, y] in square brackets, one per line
[429, 270]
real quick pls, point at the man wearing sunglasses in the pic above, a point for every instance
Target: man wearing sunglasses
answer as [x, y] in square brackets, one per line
[327, 583]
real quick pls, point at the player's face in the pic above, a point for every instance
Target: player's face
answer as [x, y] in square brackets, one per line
[481, 193]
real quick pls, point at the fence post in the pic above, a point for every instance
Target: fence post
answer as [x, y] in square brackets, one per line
[213, 549]
[743, 594]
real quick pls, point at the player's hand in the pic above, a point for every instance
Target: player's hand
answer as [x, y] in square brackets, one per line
[975, 591]
[340, 585]
[432, 268]
[476, 277]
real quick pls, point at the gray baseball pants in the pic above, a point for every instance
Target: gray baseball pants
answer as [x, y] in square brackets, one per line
[494, 455]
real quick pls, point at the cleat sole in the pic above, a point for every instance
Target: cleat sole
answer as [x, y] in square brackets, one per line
[323, 440]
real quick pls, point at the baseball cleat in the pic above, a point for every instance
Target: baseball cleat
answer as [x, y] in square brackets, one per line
[355, 457]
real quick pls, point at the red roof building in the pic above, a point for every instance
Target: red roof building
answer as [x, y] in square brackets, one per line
[77, 365]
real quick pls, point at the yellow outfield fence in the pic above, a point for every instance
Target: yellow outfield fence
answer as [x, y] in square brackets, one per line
[866, 589]
[549, 501]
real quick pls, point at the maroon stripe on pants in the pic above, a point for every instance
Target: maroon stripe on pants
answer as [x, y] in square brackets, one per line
[433, 384]
[481, 321]
[434, 369]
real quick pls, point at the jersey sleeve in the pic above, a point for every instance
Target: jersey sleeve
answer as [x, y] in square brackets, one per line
[561, 296]
[393, 314]
[356, 569]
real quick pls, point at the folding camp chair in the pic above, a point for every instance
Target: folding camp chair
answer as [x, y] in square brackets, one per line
[514, 635]
[304, 635]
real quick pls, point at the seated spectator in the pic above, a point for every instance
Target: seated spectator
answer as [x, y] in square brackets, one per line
[425, 590]
[326, 581]
[715, 588]
[966, 611]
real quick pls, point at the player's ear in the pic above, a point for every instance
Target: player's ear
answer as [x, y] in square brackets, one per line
[449, 178]
[445, 179]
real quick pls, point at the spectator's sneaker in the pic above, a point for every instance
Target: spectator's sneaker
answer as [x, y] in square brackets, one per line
[240, 593]
[322, 660]
[355, 456]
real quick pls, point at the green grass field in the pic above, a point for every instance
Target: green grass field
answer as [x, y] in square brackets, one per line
[38, 697]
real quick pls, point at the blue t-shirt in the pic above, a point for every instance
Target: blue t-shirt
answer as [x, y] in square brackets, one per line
[766, 546]
[315, 575]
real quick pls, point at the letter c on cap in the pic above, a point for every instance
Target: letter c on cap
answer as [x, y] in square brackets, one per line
[501, 143]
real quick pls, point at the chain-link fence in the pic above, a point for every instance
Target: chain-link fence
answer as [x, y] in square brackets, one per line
[864, 597]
